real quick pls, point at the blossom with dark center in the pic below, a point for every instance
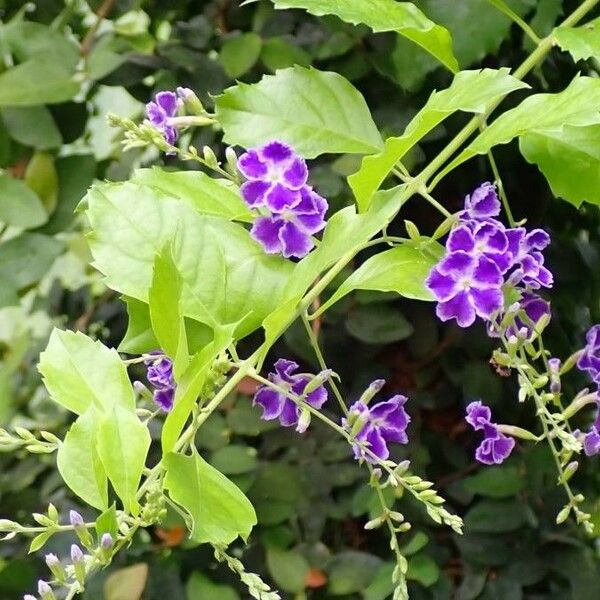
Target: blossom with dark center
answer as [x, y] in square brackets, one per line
[161, 111]
[482, 203]
[527, 258]
[160, 376]
[276, 404]
[275, 175]
[290, 231]
[590, 357]
[495, 446]
[375, 426]
[466, 286]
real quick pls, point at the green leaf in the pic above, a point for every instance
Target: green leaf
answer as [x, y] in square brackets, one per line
[582, 42]
[569, 158]
[402, 270]
[239, 54]
[165, 310]
[423, 568]
[386, 15]
[351, 572]
[42, 178]
[374, 324]
[32, 126]
[278, 53]
[191, 385]
[227, 277]
[382, 585]
[107, 523]
[126, 584]
[221, 512]
[39, 541]
[495, 516]
[123, 443]
[495, 482]
[209, 196]
[25, 259]
[79, 464]
[235, 460]
[277, 493]
[79, 372]
[470, 91]
[416, 543]
[200, 586]
[575, 106]
[288, 569]
[19, 206]
[316, 112]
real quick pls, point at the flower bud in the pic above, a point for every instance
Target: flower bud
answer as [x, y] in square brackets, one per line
[78, 560]
[29, 597]
[192, 103]
[106, 541]
[76, 519]
[76, 554]
[81, 530]
[232, 159]
[303, 421]
[45, 591]
[55, 566]
[317, 381]
[372, 391]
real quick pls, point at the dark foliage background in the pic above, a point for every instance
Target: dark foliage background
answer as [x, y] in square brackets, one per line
[311, 497]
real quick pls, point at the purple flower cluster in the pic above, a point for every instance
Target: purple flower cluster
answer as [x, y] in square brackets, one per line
[589, 361]
[375, 426]
[161, 111]
[496, 446]
[276, 405]
[482, 256]
[160, 376]
[277, 182]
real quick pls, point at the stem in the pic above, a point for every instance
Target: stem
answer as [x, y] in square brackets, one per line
[423, 192]
[513, 16]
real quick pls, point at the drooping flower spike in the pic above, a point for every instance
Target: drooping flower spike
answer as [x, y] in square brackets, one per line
[276, 405]
[495, 447]
[377, 425]
[277, 184]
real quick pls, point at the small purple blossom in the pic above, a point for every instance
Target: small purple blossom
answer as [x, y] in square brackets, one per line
[528, 260]
[465, 287]
[277, 405]
[382, 423]
[106, 541]
[76, 519]
[495, 446]
[160, 376]
[76, 554]
[482, 203]
[590, 357]
[161, 111]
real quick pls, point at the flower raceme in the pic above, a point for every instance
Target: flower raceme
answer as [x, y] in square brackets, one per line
[482, 258]
[495, 446]
[276, 183]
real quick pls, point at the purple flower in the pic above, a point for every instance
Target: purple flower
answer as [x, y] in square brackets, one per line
[384, 422]
[275, 175]
[483, 202]
[466, 286]
[590, 357]
[161, 111]
[276, 405]
[527, 258]
[160, 376]
[495, 446]
[290, 231]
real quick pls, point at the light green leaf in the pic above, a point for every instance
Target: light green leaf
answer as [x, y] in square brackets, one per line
[402, 270]
[127, 583]
[80, 372]
[316, 112]
[221, 512]
[32, 126]
[386, 15]
[25, 259]
[200, 586]
[227, 276]
[582, 42]
[191, 384]
[165, 310]
[235, 459]
[209, 196]
[123, 443]
[576, 106]
[288, 569]
[42, 178]
[239, 54]
[107, 523]
[19, 206]
[569, 158]
[279, 53]
[38, 542]
[470, 91]
[79, 464]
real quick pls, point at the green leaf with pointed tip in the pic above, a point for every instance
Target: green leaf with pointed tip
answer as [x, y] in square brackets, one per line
[582, 42]
[239, 54]
[402, 270]
[209, 196]
[79, 463]
[470, 91]
[191, 384]
[165, 310]
[386, 15]
[32, 126]
[569, 158]
[123, 443]
[316, 112]
[577, 105]
[80, 372]
[19, 205]
[221, 512]
[227, 277]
